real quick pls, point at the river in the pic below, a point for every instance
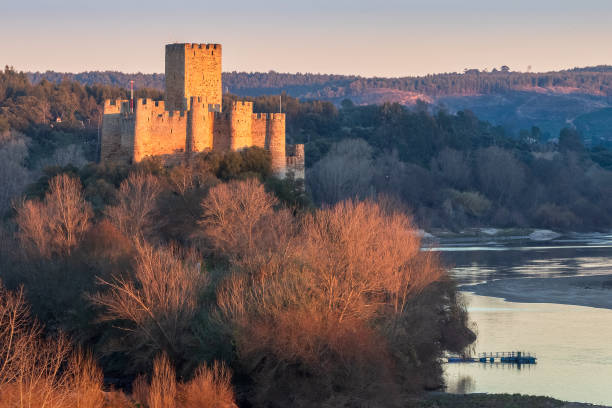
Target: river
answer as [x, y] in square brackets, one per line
[573, 343]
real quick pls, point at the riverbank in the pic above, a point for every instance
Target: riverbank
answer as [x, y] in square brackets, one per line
[590, 291]
[443, 400]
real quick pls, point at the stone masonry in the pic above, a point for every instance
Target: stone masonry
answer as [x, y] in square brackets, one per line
[190, 119]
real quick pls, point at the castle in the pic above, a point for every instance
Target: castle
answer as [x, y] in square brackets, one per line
[190, 119]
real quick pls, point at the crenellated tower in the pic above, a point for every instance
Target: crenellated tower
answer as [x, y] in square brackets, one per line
[193, 70]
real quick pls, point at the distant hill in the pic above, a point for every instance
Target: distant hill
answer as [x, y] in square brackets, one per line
[590, 80]
[516, 100]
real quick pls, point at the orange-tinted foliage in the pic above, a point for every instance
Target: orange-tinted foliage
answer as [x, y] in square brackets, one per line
[136, 203]
[42, 372]
[156, 305]
[324, 303]
[57, 224]
[209, 387]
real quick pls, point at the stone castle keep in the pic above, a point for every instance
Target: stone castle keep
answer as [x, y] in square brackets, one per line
[190, 119]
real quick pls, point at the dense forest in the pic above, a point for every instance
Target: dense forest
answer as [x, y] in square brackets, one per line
[590, 80]
[451, 170]
[215, 284]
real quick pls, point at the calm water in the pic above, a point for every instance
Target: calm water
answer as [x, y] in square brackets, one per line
[573, 343]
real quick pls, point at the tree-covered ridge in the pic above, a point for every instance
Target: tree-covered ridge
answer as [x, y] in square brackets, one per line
[452, 169]
[24, 103]
[589, 80]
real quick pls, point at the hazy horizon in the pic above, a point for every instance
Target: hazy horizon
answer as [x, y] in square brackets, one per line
[389, 39]
[305, 72]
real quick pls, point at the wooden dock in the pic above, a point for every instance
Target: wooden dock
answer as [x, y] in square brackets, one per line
[510, 357]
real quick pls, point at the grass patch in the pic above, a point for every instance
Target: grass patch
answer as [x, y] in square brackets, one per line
[487, 401]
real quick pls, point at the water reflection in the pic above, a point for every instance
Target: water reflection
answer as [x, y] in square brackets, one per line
[572, 343]
[463, 385]
[581, 255]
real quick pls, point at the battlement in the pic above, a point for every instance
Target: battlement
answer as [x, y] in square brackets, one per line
[149, 107]
[207, 46]
[159, 114]
[114, 106]
[269, 116]
[191, 46]
[114, 102]
[242, 105]
[150, 103]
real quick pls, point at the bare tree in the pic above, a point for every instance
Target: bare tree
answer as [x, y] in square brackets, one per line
[209, 387]
[17, 333]
[84, 380]
[357, 255]
[163, 389]
[156, 305]
[240, 222]
[137, 196]
[182, 178]
[68, 209]
[323, 306]
[58, 223]
[41, 372]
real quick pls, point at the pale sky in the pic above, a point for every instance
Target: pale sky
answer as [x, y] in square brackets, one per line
[371, 38]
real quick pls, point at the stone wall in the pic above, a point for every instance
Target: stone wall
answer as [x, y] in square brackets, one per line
[117, 133]
[175, 77]
[259, 128]
[221, 131]
[158, 131]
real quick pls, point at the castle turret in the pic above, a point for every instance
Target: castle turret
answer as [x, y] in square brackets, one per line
[275, 142]
[241, 117]
[115, 113]
[199, 132]
[142, 128]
